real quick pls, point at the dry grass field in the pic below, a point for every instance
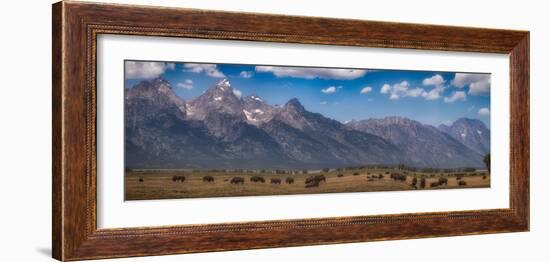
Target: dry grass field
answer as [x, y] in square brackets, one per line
[172, 184]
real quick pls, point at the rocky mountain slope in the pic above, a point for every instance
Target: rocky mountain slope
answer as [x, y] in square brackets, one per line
[424, 145]
[470, 132]
[220, 130]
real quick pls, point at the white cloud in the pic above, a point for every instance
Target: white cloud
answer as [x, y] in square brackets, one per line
[146, 70]
[456, 96]
[436, 80]
[329, 90]
[209, 69]
[396, 91]
[187, 84]
[479, 84]
[246, 74]
[311, 73]
[484, 111]
[403, 89]
[385, 89]
[366, 90]
[434, 94]
[482, 88]
[415, 92]
[237, 92]
[323, 102]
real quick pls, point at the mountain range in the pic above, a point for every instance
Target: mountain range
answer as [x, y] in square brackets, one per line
[219, 129]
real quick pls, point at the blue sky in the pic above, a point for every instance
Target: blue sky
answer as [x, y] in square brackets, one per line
[341, 94]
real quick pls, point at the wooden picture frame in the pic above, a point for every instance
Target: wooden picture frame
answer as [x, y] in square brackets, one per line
[76, 26]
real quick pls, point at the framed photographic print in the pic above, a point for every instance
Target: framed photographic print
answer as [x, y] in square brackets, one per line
[193, 131]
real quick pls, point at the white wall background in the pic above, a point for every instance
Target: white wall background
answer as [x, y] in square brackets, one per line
[25, 133]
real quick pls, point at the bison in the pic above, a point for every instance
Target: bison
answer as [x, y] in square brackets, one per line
[434, 184]
[340, 175]
[355, 174]
[257, 179]
[462, 183]
[398, 177]
[422, 182]
[275, 181]
[140, 180]
[313, 181]
[237, 180]
[178, 178]
[414, 181]
[289, 180]
[207, 179]
[312, 184]
[321, 178]
[442, 181]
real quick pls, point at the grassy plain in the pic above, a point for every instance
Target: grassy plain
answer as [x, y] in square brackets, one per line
[160, 184]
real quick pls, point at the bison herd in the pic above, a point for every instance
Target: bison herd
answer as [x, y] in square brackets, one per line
[316, 180]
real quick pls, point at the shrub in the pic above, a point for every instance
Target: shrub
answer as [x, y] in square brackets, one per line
[487, 161]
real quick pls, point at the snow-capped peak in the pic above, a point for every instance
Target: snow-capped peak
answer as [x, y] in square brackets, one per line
[224, 84]
[257, 98]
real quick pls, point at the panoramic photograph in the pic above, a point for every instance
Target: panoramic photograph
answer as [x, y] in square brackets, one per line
[195, 130]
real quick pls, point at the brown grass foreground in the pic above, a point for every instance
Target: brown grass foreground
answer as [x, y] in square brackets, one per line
[155, 184]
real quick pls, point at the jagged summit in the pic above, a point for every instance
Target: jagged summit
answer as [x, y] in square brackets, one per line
[223, 84]
[217, 99]
[257, 111]
[471, 132]
[294, 104]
